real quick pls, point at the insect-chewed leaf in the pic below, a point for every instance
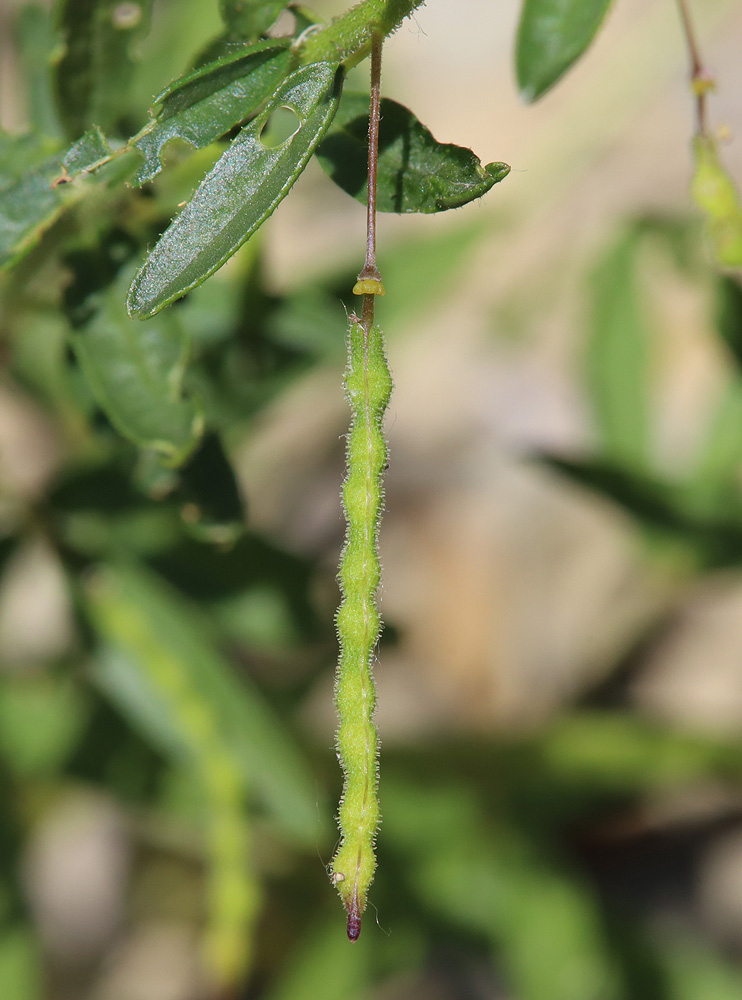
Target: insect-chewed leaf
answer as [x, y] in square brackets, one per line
[93, 73]
[552, 35]
[90, 150]
[415, 173]
[31, 192]
[205, 104]
[249, 18]
[239, 194]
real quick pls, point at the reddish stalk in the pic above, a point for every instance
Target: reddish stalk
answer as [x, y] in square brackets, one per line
[701, 80]
[369, 282]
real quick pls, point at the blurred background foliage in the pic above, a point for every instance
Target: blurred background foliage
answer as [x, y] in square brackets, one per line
[560, 678]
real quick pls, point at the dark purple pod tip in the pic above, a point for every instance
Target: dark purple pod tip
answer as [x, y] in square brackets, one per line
[354, 926]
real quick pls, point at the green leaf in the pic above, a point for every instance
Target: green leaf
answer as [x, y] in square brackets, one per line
[89, 152]
[162, 669]
[618, 356]
[714, 192]
[415, 174]
[239, 194]
[552, 35]
[21, 963]
[28, 203]
[421, 270]
[32, 192]
[36, 44]
[715, 478]
[651, 501]
[249, 18]
[41, 721]
[212, 508]
[304, 975]
[94, 73]
[622, 753]
[671, 516]
[205, 104]
[136, 374]
[541, 919]
[693, 970]
[713, 483]
[729, 317]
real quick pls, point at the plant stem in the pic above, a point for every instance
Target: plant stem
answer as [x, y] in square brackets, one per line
[701, 80]
[348, 38]
[369, 282]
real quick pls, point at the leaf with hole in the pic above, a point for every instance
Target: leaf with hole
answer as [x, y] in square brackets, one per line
[552, 35]
[416, 173]
[239, 194]
[207, 103]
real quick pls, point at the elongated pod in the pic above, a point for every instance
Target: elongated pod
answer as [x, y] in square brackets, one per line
[368, 385]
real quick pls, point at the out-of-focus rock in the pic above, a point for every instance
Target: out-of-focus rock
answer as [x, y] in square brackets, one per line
[75, 869]
[155, 962]
[720, 888]
[694, 678]
[35, 608]
[30, 451]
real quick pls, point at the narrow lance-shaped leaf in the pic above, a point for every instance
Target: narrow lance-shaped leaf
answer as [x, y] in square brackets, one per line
[714, 478]
[162, 669]
[239, 194]
[205, 104]
[136, 374]
[31, 190]
[416, 173]
[249, 18]
[93, 74]
[617, 357]
[36, 43]
[728, 317]
[140, 637]
[552, 35]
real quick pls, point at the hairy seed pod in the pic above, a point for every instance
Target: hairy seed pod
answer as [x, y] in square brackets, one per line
[368, 385]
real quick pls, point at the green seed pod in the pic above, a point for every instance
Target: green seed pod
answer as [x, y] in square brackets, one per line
[368, 385]
[715, 194]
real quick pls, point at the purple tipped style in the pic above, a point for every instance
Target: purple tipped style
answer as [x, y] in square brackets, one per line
[354, 926]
